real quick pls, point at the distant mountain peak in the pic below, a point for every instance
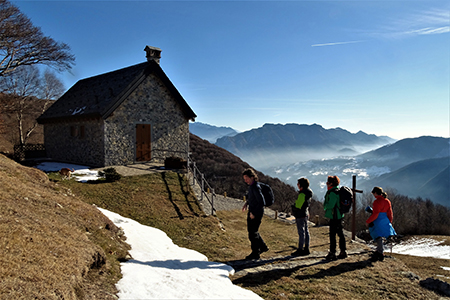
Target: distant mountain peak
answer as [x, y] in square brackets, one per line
[210, 132]
[278, 144]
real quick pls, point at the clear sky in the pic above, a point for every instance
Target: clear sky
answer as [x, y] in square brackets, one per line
[382, 67]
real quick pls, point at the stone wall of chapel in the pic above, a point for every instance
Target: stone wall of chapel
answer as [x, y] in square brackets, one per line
[151, 103]
[79, 142]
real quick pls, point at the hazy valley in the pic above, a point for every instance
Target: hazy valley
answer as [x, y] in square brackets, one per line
[417, 167]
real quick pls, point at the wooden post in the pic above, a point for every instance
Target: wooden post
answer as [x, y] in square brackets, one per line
[212, 202]
[317, 220]
[193, 177]
[225, 194]
[354, 190]
[203, 187]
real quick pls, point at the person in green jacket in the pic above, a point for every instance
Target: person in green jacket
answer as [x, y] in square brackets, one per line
[331, 206]
[301, 214]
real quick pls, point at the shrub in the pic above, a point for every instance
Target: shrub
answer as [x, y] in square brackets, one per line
[110, 174]
[175, 163]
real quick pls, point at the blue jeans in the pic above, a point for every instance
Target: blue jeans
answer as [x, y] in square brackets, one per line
[303, 232]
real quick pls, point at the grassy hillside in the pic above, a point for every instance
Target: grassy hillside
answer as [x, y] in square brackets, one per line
[53, 245]
[56, 245]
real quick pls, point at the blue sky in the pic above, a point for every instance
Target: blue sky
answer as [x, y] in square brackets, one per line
[382, 67]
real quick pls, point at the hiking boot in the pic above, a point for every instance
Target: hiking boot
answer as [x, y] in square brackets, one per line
[342, 255]
[331, 256]
[252, 256]
[297, 252]
[263, 249]
[377, 256]
[305, 252]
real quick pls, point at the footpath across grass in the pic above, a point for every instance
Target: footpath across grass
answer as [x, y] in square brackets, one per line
[165, 201]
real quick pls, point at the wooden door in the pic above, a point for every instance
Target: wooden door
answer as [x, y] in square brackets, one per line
[143, 142]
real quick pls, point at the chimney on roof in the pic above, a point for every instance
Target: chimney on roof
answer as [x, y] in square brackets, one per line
[153, 53]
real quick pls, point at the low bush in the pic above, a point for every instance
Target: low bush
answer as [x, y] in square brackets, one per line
[110, 174]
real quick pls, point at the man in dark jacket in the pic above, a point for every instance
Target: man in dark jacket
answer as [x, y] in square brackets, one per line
[255, 206]
[301, 214]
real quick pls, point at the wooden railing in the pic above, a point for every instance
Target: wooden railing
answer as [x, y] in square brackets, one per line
[199, 177]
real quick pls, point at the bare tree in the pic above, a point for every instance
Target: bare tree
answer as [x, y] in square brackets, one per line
[51, 88]
[26, 94]
[21, 43]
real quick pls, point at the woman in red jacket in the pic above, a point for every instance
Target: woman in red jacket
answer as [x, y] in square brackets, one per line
[380, 222]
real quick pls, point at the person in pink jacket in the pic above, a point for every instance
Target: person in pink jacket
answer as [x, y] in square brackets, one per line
[380, 221]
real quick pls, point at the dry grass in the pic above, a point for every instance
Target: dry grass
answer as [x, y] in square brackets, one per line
[53, 246]
[56, 245]
[353, 278]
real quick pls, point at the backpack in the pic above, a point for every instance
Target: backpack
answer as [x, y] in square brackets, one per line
[267, 193]
[345, 199]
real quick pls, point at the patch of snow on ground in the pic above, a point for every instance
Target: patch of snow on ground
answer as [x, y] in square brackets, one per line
[82, 173]
[424, 247]
[162, 270]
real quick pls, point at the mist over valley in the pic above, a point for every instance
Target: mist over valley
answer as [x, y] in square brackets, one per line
[415, 167]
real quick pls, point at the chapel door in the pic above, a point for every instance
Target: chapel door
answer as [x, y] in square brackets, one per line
[143, 142]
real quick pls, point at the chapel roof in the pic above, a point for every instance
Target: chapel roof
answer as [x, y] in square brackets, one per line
[99, 96]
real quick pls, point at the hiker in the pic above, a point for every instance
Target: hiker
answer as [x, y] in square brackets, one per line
[331, 206]
[301, 214]
[380, 221]
[255, 207]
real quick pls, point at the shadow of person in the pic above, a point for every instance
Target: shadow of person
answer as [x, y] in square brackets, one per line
[337, 270]
[264, 277]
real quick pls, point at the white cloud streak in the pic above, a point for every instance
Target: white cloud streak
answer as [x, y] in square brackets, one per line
[336, 43]
[429, 30]
[433, 21]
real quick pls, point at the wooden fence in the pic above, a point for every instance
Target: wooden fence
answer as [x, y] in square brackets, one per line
[27, 151]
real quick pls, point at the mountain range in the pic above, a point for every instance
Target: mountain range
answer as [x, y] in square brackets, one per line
[417, 167]
[276, 144]
[414, 167]
[209, 132]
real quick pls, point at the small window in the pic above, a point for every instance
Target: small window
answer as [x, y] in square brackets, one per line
[82, 132]
[77, 131]
[73, 131]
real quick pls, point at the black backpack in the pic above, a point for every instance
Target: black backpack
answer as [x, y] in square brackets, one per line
[345, 199]
[267, 193]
